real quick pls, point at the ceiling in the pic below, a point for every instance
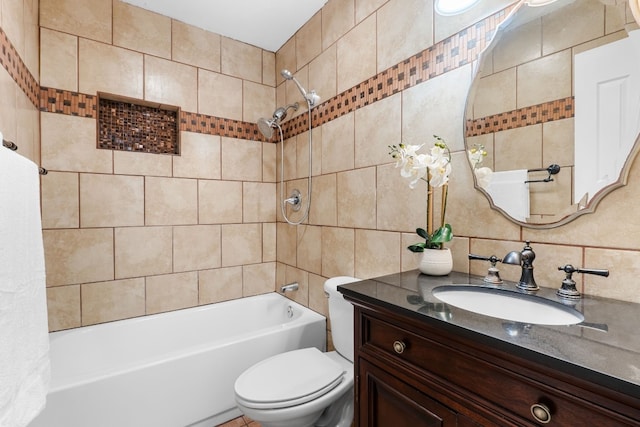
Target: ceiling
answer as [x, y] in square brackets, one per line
[267, 24]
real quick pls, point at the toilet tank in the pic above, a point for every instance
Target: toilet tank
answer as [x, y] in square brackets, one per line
[341, 315]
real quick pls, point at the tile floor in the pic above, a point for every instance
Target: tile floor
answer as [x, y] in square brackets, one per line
[241, 422]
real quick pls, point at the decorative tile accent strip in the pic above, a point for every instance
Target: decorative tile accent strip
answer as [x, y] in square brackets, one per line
[201, 123]
[17, 69]
[130, 125]
[527, 116]
[66, 102]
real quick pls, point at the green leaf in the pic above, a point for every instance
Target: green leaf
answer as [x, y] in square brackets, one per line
[442, 234]
[422, 233]
[418, 247]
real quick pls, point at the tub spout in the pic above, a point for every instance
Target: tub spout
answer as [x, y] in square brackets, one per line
[289, 287]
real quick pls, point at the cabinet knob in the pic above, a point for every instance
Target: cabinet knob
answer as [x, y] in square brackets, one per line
[399, 346]
[541, 413]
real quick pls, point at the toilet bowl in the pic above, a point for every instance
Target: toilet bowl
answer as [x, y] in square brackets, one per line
[306, 387]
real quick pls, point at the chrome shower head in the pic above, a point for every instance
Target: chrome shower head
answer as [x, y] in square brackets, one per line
[265, 126]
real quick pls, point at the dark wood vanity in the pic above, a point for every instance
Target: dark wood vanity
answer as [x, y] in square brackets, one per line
[419, 362]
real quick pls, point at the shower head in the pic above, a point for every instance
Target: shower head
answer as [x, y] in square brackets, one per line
[312, 98]
[265, 126]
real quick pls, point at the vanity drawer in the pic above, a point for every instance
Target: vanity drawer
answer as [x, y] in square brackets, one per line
[471, 378]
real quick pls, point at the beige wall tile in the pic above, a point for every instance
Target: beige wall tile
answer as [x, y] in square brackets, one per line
[241, 244]
[557, 142]
[495, 94]
[148, 164]
[241, 159]
[546, 79]
[322, 74]
[107, 301]
[258, 279]
[357, 55]
[338, 246]
[516, 47]
[394, 18]
[290, 158]
[75, 151]
[268, 242]
[171, 201]
[269, 68]
[337, 19]
[219, 202]
[141, 30]
[219, 95]
[258, 100]
[63, 307]
[286, 246]
[133, 259]
[60, 200]
[324, 209]
[58, 60]
[259, 202]
[623, 268]
[301, 277]
[8, 107]
[78, 256]
[86, 18]
[196, 247]
[101, 67]
[12, 21]
[221, 284]
[199, 156]
[171, 292]
[410, 260]
[31, 55]
[318, 301]
[377, 126]
[519, 148]
[364, 8]
[111, 200]
[399, 208]
[241, 60]
[309, 41]
[195, 46]
[269, 156]
[377, 253]
[338, 144]
[357, 198]
[309, 248]
[302, 153]
[286, 59]
[557, 35]
[169, 82]
[28, 128]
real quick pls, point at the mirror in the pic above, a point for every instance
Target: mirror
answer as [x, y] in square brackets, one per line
[548, 138]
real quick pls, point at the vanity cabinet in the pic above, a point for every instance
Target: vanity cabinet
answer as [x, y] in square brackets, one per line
[416, 372]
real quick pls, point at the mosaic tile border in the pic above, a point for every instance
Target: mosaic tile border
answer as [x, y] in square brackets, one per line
[17, 69]
[451, 53]
[527, 116]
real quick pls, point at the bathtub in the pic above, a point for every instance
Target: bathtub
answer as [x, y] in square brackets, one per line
[172, 369]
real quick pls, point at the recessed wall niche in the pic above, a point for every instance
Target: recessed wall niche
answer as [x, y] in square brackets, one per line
[128, 124]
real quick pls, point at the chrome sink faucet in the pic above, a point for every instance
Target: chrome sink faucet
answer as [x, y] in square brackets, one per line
[525, 259]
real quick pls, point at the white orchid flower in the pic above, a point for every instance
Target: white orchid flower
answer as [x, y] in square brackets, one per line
[483, 175]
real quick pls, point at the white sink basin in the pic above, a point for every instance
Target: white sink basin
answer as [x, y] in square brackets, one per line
[508, 305]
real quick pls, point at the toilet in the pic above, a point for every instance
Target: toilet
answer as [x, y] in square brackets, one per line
[306, 387]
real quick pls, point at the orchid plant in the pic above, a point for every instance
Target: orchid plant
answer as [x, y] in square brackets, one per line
[434, 168]
[483, 174]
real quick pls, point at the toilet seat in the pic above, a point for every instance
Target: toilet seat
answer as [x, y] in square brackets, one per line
[288, 379]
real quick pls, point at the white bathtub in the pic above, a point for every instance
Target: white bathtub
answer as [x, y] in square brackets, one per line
[173, 369]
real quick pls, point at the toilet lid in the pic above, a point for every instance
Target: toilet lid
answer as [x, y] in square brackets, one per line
[288, 379]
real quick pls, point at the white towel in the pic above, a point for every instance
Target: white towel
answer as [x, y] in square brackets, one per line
[24, 338]
[510, 193]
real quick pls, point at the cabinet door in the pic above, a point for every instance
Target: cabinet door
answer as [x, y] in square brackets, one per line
[385, 401]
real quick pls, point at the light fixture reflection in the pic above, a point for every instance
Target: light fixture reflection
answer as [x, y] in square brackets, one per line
[453, 7]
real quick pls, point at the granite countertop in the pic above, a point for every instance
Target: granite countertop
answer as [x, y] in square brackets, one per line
[605, 348]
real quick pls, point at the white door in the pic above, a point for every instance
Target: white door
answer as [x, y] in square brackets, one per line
[607, 112]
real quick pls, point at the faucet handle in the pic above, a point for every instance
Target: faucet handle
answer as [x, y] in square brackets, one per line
[493, 274]
[568, 288]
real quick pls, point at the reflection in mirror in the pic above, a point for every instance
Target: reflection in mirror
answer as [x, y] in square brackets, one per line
[542, 97]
